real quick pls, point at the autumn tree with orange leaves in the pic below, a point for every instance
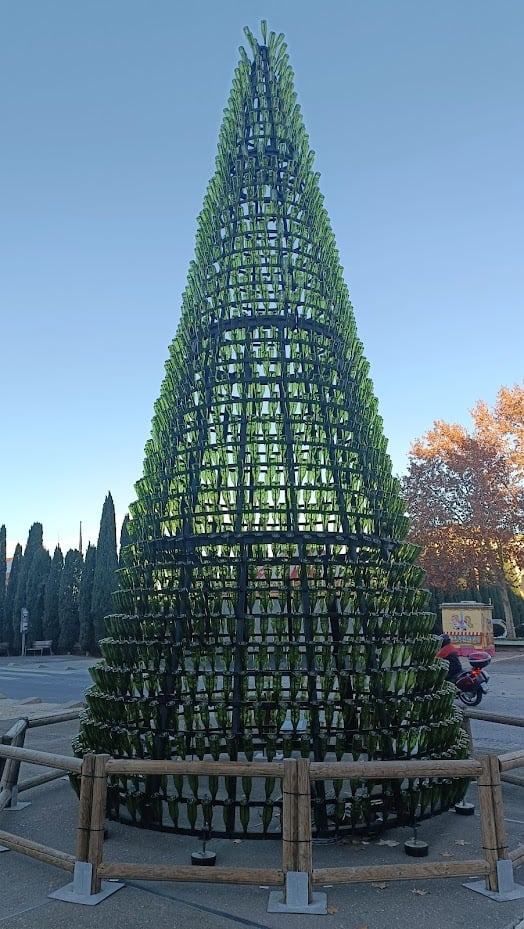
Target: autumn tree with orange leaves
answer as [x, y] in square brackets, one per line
[464, 492]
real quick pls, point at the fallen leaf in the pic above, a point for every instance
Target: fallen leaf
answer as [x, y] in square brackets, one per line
[237, 841]
[420, 893]
[380, 885]
[389, 842]
[332, 909]
[446, 855]
[461, 842]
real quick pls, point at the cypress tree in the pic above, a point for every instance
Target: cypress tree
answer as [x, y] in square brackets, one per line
[33, 546]
[3, 581]
[87, 637]
[271, 601]
[12, 620]
[68, 601]
[125, 541]
[105, 579]
[51, 621]
[36, 584]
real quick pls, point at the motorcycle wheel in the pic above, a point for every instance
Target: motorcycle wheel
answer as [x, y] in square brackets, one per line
[470, 697]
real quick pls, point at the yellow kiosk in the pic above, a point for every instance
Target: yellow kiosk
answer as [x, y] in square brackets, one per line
[469, 626]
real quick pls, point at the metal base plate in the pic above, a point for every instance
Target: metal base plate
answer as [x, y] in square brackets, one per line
[68, 893]
[317, 907]
[502, 896]
[508, 890]
[79, 891]
[296, 897]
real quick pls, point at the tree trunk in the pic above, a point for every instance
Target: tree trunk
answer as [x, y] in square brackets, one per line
[508, 613]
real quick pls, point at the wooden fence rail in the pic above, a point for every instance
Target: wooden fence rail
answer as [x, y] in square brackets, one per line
[10, 785]
[33, 756]
[35, 850]
[471, 713]
[14, 755]
[297, 776]
[480, 715]
[401, 872]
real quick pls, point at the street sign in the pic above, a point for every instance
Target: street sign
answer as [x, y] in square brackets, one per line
[24, 619]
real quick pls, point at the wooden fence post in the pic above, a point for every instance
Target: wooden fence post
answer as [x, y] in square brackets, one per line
[98, 816]
[84, 812]
[498, 809]
[289, 816]
[488, 821]
[297, 861]
[304, 847]
[9, 781]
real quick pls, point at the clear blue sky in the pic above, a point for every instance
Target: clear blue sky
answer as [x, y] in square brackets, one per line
[109, 114]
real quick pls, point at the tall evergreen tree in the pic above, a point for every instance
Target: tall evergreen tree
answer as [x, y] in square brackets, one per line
[36, 583]
[3, 582]
[34, 545]
[68, 601]
[51, 621]
[125, 552]
[87, 635]
[12, 621]
[105, 580]
[272, 600]
[125, 540]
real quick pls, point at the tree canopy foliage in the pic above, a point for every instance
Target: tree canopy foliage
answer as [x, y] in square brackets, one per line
[464, 492]
[87, 633]
[105, 580]
[51, 624]
[68, 600]
[58, 592]
[3, 580]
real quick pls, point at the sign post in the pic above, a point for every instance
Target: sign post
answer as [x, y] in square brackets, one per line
[24, 623]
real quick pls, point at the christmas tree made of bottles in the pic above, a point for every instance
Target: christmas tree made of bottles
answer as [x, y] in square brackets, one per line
[270, 603]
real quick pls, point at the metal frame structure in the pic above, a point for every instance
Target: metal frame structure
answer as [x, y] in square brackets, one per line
[269, 601]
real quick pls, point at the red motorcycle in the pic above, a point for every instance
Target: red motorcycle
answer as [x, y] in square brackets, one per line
[472, 684]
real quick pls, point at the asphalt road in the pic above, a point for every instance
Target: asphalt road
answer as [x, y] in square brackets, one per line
[56, 679]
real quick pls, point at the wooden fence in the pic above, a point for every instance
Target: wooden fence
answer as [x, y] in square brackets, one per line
[470, 714]
[297, 776]
[10, 786]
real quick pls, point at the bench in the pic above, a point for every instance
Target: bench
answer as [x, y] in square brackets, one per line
[40, 646]
[4, 648]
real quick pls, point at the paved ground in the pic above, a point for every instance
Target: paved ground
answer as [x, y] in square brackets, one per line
[51, 819]
[33, 709]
